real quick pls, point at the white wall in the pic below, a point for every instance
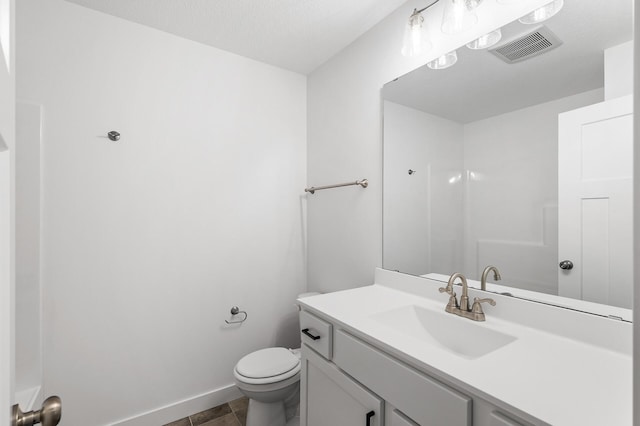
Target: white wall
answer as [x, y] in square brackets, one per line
[422, 212]
[345, 140]
[148, 242]
[512, 199]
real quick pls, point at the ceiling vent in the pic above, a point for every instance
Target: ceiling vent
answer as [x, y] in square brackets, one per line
[535, 43]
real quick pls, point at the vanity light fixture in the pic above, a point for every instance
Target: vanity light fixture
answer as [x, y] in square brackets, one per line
[486, 40]
[459, 16]
[445, 61]
[543, 13]
[415, 40]
[413, 43]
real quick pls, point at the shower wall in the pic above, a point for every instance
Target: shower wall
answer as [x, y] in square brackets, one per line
[147, 242]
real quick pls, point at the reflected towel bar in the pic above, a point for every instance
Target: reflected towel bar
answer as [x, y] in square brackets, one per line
[363, 183]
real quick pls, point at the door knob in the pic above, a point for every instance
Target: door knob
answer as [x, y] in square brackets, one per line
[566, 265]
[48, 415]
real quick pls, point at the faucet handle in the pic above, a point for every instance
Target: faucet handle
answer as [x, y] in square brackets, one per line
[477, 307]
[477, 314]
[452, 305]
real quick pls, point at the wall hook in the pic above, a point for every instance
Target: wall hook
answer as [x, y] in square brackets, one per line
[411, 172]
[236, 311]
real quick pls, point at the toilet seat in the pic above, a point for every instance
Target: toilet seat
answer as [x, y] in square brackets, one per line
[269, 365]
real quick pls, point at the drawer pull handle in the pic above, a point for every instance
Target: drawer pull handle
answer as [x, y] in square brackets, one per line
[369, 415]
[306, 332]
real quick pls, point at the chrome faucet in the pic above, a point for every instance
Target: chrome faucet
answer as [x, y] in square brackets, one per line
[474, 312]
[453, 307]
[485, 273]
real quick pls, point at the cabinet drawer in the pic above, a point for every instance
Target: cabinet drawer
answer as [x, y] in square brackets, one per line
[498, 419]
[423, 399]
[316, 334]
[396, 418]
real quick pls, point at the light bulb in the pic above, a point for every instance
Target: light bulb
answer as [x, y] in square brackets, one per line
[486, 41]
[543, 13]
[457, 17]
[414, 40]
[444, 61]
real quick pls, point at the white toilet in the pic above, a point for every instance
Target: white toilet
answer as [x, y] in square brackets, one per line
[270, 378]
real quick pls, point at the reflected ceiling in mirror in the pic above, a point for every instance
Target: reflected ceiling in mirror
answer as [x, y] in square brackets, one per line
[519, 165]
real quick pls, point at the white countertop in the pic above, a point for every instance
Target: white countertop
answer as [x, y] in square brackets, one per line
[553, 376]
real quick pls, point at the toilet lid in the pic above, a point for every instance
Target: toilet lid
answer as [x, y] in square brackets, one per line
[268, 362]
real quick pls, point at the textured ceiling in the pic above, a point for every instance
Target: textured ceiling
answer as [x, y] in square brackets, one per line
[298, 35]
[479, 85]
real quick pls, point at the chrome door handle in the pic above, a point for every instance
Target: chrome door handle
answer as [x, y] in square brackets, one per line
[48, 415]
[566, 265]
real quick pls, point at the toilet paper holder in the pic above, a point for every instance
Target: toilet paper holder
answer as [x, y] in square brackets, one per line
[236, 311]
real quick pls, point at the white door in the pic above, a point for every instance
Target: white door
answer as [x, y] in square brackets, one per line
[6, 288]
[7, 132]
[595, 170]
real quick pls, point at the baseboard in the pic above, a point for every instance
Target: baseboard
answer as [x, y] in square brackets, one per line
[181, 409]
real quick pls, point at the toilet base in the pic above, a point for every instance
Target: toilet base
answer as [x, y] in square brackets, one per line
[282, 412]
[266, 413]
[295, 421]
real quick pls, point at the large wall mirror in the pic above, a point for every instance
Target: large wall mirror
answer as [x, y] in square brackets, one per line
[522, 165]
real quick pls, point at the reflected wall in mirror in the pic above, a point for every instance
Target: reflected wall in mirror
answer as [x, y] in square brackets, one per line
[520, 165]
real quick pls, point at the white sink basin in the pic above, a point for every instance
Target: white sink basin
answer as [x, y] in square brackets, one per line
[460, 336]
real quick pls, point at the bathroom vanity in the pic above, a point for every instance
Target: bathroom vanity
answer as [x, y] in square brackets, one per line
[388, 354]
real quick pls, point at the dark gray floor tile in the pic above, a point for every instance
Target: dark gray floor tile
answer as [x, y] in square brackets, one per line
[239, 407]
[181, 422]
[211, 414]
[239, 404]
[241, 414]
[228, 420]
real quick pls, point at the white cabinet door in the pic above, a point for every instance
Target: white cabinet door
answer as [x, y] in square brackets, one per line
[595, 170]
[396, 418]
[330, 398]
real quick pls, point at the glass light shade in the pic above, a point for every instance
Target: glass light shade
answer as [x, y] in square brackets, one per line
[415, 40]
[457, 17]
[486, 40]
[543, 13]
[472, 4]
[444, 61]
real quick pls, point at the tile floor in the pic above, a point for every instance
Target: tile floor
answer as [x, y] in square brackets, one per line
[233, 413]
